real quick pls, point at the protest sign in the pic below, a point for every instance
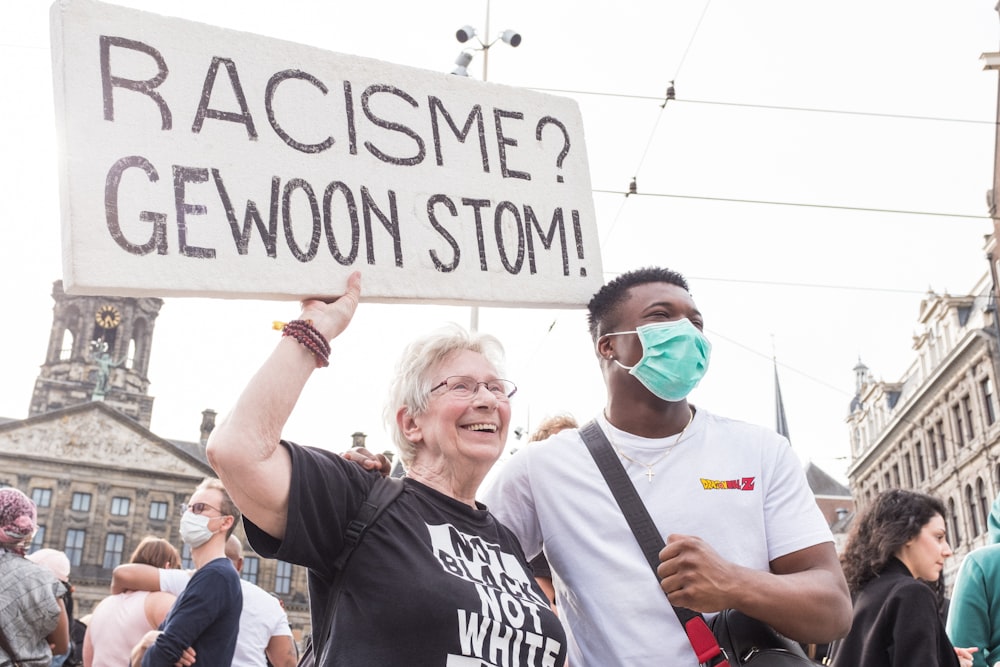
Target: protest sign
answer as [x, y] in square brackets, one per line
[201, 161]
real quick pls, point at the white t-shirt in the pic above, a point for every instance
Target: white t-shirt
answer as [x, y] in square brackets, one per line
[738, 486]
[262, 618]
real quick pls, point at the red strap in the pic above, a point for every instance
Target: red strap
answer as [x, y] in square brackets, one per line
[703, 642]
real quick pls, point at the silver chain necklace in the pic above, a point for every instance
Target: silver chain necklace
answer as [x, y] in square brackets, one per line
[649, 466]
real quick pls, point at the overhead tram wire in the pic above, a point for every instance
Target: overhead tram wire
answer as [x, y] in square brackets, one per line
[670, 96]
[836, 207]
[775, 107]
[780, 283]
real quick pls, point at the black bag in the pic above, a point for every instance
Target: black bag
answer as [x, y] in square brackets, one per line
[747, 641]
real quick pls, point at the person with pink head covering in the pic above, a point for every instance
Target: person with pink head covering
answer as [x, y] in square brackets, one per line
[33, 619]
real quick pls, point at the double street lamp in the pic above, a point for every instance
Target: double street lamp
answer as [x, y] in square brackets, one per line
[463, 35]
[467, 33]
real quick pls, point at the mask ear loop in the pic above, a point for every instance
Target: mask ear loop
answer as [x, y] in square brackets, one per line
[609, 357]
[612, 358]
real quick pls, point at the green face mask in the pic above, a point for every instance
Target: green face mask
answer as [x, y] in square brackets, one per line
[674, 358]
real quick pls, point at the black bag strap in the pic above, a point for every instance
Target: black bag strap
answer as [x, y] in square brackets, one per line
[646, 534]
[382, 494]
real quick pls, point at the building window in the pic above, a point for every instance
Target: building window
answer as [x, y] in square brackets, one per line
[986, 388]
[939, 439]
[984, 502]
[42, 497]
[955, 537]
[908, 469]
[932, 449]
[970, 507]
[956, 412]
[113, 548]
[158, 510]
[66, 348]
[251, 565]
[967, 408]
[74, 545]
[80, 502]
[921, 470]
[37, 539]
[895, 476]
[283, 578]
[120, 506]
[186, 561]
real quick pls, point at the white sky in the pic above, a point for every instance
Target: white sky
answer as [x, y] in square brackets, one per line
[818, 286]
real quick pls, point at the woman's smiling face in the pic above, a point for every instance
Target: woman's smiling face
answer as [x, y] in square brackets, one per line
[464, 429]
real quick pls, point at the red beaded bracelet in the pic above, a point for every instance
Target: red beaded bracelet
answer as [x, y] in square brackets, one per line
[306, 328]
[309, 337]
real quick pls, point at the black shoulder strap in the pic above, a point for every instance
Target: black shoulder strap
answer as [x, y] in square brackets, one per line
[382, 494]
[385, 490]
[624, 492]
[647, 535]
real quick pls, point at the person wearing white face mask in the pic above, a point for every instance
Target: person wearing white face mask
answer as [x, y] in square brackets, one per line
[204, 621]
[741, 526]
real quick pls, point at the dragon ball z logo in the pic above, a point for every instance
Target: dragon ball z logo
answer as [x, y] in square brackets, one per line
[742, 484]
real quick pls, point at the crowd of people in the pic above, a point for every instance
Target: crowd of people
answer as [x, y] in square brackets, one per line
[157, 615]
[448, 573]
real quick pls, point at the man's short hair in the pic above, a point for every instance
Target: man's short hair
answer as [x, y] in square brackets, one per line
[227, 506]
[603, 307]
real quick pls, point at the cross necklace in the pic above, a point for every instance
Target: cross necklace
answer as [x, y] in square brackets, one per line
[649, 466]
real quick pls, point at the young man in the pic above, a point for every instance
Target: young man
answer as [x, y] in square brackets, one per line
[204, 621]
[264, 636]
[742, 529]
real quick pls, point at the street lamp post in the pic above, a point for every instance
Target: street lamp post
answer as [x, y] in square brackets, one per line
[463, 35]
[467, 32]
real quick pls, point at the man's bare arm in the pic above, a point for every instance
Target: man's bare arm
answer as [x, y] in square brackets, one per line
[281, 651]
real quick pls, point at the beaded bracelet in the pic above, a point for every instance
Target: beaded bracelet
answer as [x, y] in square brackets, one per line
[309, 337]
[306, 328]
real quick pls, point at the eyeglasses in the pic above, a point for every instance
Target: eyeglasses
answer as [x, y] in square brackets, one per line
[462, 386]
[198, 508]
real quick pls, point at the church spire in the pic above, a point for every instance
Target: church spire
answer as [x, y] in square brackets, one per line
[780, 419]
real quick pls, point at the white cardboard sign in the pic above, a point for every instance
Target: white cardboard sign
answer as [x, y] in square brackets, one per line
[200, 161]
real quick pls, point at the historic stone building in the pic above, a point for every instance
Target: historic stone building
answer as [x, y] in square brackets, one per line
[100, 478]
[936, 429]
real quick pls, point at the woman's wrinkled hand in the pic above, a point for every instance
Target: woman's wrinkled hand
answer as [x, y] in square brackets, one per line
[369, 461]
[331, 318]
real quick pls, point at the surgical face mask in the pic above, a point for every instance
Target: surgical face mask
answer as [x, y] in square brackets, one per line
[194, 529]
[674, 358]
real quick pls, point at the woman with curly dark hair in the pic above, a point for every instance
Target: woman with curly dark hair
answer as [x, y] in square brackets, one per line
[896, 546]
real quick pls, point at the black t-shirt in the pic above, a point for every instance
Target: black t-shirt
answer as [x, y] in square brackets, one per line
[434, 582]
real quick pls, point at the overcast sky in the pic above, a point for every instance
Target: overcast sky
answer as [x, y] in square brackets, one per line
[797, 127]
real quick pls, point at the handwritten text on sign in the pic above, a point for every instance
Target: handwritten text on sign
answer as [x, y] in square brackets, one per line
[206, 162]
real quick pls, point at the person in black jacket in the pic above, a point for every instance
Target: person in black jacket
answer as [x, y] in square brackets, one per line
[897, 545]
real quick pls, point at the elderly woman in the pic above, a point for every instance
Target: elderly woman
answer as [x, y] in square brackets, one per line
[33, 620]
[436, 580]
[895, 549]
